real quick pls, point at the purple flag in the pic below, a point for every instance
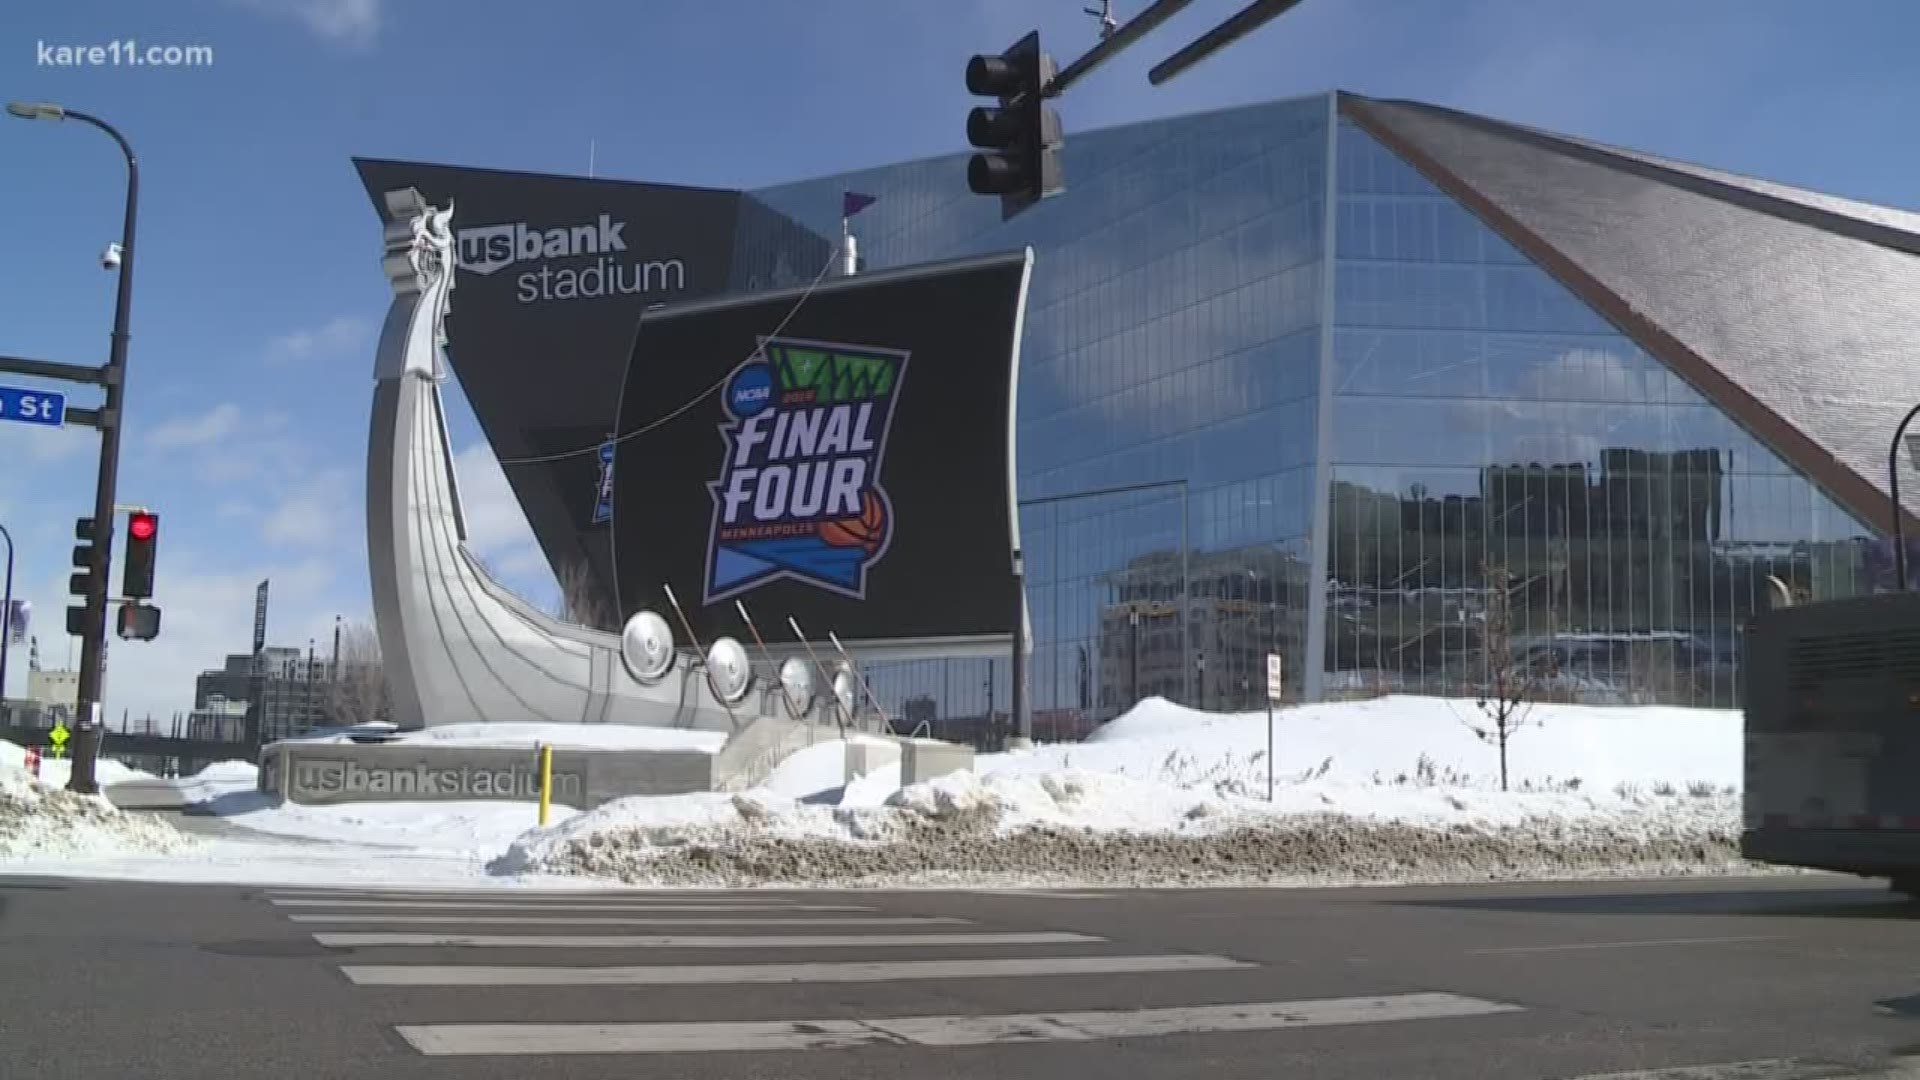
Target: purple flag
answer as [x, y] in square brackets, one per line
[853, 202]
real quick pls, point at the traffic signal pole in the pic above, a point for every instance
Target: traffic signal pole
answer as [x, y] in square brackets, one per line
[86, 744]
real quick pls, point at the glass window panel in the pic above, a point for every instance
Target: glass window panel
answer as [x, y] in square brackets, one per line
[1646, 517]
[1456, 361]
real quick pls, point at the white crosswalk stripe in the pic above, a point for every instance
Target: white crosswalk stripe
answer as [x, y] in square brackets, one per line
[694, 941]
[1764, 1069]
[499, 905]
[1042, 894]
[749, 931]
[620, 920]
[499, 1039]
[530, 896]
[736, 974]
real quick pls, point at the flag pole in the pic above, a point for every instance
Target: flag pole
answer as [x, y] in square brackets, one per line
[851, 203]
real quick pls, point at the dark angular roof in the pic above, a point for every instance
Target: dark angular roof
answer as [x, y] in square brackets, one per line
[1797, 312]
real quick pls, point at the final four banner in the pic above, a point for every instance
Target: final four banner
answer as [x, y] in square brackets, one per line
[554, 272]
[842, 456]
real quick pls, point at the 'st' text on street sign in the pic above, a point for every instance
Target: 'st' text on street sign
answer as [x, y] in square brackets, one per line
[21, 405]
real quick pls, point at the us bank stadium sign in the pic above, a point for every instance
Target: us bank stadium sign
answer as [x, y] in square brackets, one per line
[322, 781]
[578, 261]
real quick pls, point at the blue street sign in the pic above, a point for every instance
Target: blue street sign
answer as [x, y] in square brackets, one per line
[24, 406]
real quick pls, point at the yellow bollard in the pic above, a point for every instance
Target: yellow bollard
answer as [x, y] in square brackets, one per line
[546, 782]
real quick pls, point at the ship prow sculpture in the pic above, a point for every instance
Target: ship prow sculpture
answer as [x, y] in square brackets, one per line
[458, 646]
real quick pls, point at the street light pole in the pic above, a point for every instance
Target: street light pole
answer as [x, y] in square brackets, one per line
[86, 744]
[6, 623]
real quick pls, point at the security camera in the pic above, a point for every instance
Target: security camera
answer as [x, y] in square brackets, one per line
[110, 258]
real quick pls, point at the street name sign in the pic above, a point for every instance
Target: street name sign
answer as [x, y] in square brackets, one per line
[23, 405]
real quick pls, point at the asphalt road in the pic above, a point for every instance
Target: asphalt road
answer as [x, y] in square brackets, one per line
[104, 980]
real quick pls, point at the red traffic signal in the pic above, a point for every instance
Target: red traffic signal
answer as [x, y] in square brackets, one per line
[143, 537]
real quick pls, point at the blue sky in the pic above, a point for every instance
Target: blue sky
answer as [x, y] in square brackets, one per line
[257, 287]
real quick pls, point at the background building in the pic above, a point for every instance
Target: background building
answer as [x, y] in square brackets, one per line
[54, 691]
[292, 692]
[218, 720]
[1356, 359]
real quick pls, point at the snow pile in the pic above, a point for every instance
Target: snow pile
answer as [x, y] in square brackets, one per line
[220, 780]
[1400, 741]
[54, 771]
[818, 773]
[1087, 828]
[40, 820]
[1396, 789]
[873, 789]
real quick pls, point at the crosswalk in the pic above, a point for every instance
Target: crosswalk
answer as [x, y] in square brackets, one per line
[432, 952]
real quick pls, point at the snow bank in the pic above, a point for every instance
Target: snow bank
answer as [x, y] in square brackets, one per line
[1087, 828]
[41, 820]
[1397, 789]
[529, 734]
[55, 771]
[820, 771]
[873, 789]
[220, 780]
[1403, 741]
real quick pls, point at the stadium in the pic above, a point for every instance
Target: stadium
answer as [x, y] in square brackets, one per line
[1381, 387]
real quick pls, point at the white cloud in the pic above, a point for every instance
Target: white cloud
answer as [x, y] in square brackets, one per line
[314, 511]
[497, 528]
[337, 335]
[211, 426]
[42, 446]
[347, 22]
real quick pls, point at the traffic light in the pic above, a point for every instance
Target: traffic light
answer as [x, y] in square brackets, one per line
[81, 584]
[143, 536]
[139, 621]
[1020, 138]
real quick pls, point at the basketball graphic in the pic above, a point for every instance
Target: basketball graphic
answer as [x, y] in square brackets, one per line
[795, 415]
[867, 531]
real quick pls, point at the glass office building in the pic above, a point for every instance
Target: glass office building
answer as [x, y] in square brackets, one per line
[1399, 394]
[1275, 360]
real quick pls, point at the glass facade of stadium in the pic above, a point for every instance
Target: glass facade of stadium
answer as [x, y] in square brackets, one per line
[1340, 410]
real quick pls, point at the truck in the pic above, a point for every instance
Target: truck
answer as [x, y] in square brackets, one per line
[1831, 703]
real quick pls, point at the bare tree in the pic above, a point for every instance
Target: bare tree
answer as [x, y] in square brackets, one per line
[358, 691]
[581, 601]
[1512, 679]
